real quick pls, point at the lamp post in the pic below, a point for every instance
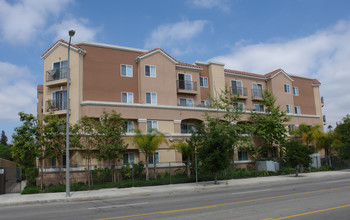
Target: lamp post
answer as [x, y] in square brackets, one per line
[71, 34]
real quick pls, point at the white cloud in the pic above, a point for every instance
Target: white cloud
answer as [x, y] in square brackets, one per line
[17, 91]
[323, 55]
[175, 35]
[22, 21]
[221, 4]
[82, 31]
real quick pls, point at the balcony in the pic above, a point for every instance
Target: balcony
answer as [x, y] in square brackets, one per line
[186, 86]
[324, 119]
[56, 105]
[241, 92]
[322, 101]
[56, 77]
[257, 94]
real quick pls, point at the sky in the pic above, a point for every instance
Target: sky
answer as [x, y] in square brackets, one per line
[307, 38]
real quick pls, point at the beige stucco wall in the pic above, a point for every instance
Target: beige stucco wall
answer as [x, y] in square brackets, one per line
[217, 79]
[318, 104]
[276, 86]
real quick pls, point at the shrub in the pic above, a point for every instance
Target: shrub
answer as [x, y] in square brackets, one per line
[102, 175]
[31, 174]
[31, 190]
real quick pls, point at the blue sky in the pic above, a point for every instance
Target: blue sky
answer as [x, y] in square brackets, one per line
[304, 37]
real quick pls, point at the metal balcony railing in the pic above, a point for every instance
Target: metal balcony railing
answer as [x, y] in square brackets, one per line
[240, 91]
[257, 93]
[322, 100]
[56, 105]
[324, 118]
[56, 74]
[187, 85]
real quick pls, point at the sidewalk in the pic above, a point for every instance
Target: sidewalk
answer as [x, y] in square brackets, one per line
[18, 199]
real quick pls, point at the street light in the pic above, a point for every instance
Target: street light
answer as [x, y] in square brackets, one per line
[71, 34]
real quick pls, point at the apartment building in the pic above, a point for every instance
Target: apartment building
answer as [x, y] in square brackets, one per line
[151, 89]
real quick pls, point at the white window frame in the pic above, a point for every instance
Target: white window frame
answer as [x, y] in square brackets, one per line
[204, 103]
[153, 98]
[286, 88]
[237, 105]
[156, 156]
[289, 108]
[295, 91]
[203, 81]
[259, 108]
[297, 110]
[188, 83]
[129, 97]
[262, 89]
[152, 74]
[291, 128]
[189, 127]
[186, 100]
[152, 123]
[129, 158]
[242, 158]
[128, 71]
[130, 125]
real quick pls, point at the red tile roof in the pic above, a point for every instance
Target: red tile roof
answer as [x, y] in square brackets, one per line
[273, 73]
[188, 65]
[244, 73]
[155, 49]
[59, 41]
[315, 81]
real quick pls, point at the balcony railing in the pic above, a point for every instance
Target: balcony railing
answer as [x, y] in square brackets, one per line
[56, 105]
[240, 91]
[257, 94]
[186, 85]
[56, 74]
[324, 118]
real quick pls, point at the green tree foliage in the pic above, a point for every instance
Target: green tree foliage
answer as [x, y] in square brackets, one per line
[269, 126]
[109, 131]
[325, 141]
[307, 134]
[148, 143]
[215, 142]
[25, 147]
[5, 152]
[298, 154]
[3, 139]
[342, 133]
[186, 149]
[53, 139]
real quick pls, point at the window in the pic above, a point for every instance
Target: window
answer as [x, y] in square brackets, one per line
[257, 90]
[128, 158]
[259, 108]
[60, 70]
[204, 103]
[128, 97]
[289, 108]
[59, 100]
[128, 127]
[152, 125]
[126, 70]
[151, 98]
[297, 109]
[295, 91]
[238, 105]
[186, 102]
[187, 128]
[154, 156]
[236, 87]
[150, 71]
[286, 88]
[291, 128]
[203, 81]
[53, 162]
[242, 155]
[185, 81]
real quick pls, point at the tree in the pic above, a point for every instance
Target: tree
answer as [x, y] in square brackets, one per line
[298, 154]
[325, 141]
[307, 134]
[269, 126]
[342, 133]
[3, 139]
[25, 145]
[149, 143]
[186, 149]
[53, 139]
[5, 152]
[215, 142]
[109, 131]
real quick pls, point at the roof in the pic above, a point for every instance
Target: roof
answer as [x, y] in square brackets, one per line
[244, 73]
[315, 81]
[269, 75]
[61, 42]
[40, 87]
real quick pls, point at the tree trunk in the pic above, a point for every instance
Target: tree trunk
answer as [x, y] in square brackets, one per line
[154, 166]
[113, 172]
[89, 175]
[296, 171]
[147, 172]
[188, 167]
[216, 178]
[60, 166]
[41, 175]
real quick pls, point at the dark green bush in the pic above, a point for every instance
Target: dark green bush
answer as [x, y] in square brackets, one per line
[30, 175]
[31, 190]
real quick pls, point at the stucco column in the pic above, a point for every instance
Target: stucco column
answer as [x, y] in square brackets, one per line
[177, 126]
[142, 124]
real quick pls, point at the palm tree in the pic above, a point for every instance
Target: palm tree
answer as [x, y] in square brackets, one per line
[149, 143]
[307, 133]
[325, 141]
[186, 150]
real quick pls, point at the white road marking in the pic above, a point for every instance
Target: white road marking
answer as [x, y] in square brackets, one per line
[116, 206]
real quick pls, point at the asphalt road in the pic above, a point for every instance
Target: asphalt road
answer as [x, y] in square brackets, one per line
[309, 199]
